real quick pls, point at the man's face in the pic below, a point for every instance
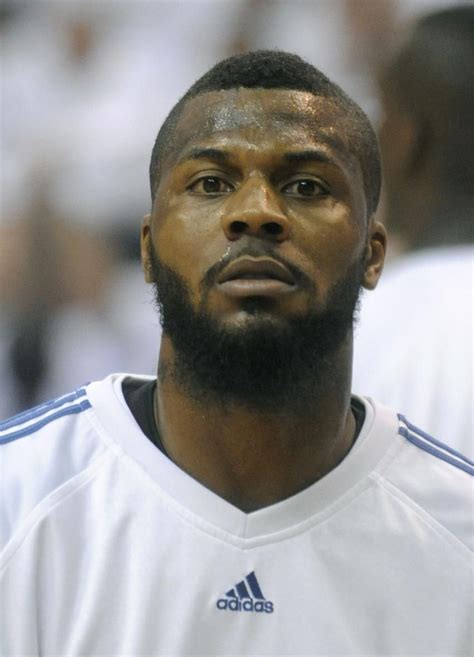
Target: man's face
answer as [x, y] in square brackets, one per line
[260, 215]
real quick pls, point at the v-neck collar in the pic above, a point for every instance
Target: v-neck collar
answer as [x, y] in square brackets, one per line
[214, 514]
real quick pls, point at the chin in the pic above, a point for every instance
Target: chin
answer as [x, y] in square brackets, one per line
[256, 311]
[250, 325]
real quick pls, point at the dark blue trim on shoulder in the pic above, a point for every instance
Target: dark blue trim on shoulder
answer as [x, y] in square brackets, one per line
[438, 443]
[33, 428]
[31, 413]
[431, 449]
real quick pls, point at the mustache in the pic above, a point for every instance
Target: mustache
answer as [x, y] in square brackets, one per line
[254, 251]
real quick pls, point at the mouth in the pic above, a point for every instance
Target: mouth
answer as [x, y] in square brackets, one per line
[248, 268]
[249, 276]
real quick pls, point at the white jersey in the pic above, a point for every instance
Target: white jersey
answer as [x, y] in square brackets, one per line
[413, 348]
[110, 549]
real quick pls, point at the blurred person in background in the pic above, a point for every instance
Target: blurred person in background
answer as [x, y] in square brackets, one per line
[419, 322]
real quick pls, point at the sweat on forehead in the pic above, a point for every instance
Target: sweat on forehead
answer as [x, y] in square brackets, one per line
[230, 104]
[292, 114]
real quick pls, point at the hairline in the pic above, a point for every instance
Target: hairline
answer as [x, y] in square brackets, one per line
[332, 140]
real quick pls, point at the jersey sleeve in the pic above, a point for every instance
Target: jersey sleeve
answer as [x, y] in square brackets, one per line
[41, 450]
[438, 482]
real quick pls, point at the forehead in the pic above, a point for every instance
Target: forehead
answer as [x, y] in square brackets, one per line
[287, 117]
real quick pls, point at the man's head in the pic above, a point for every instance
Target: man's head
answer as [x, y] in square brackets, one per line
[264, 181]
[427, 93]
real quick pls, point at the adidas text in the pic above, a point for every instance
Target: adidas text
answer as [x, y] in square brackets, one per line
[232, 604]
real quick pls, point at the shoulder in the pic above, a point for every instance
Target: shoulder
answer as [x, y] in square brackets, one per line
[41, 450]
[433, 479]
[48, 452]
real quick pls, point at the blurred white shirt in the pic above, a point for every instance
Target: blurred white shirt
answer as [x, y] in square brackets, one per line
[413, 346]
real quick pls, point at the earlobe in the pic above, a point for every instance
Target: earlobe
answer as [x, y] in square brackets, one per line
[145, 246]
[375, 257]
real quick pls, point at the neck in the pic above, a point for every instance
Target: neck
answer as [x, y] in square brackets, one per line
[254, 458]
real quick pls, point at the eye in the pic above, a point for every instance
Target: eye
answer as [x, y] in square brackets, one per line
[305, 187]
[211, 185]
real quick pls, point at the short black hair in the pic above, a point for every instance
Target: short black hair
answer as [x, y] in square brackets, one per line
[274, 69]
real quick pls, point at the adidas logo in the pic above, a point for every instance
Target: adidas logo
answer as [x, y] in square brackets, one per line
[246, 596]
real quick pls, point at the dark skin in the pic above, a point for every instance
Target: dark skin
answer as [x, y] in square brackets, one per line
[280, 170]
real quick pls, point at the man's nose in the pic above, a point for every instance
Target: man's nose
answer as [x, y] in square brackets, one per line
[255, 209]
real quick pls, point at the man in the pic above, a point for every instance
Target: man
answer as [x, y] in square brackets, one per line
[423, 307]
[243, 503]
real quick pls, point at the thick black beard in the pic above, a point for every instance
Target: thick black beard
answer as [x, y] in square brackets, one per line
[262, 364]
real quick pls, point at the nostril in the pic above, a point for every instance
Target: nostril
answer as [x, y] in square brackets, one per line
[273, 228]
[238, 226]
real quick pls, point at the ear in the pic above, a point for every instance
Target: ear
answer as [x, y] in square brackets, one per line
[145, 247]
[375, 256]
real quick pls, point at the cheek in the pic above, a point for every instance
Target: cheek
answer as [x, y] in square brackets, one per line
[331, 242]
[188, 242]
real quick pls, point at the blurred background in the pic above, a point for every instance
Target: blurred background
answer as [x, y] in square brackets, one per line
[85, 87]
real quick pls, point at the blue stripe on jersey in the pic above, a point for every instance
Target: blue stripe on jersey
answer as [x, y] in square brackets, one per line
[31, 413]
[438, 443]
[431, 449]
[32, 428]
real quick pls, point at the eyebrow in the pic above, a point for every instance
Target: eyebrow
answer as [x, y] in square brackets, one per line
[224, 157]
[308, 156]
[215, 154]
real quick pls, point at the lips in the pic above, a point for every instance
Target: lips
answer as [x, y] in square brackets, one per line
[253, 269]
